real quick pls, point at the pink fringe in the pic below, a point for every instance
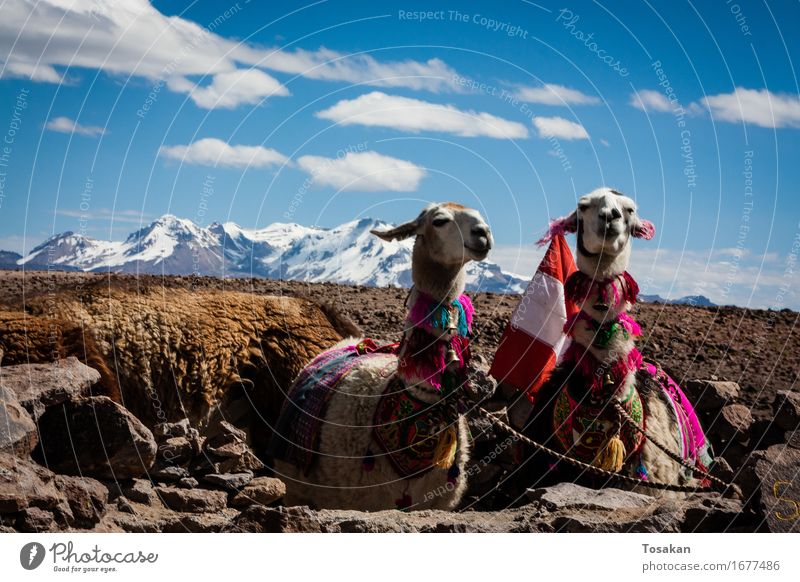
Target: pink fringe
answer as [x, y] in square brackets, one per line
[580, 287]
[645, 229]
[558, 226]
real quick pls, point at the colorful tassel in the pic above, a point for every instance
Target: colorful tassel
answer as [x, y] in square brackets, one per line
[445, 454]
[612, 457]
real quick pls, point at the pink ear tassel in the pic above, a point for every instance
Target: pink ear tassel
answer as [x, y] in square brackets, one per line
[645, 229]
[559, 226]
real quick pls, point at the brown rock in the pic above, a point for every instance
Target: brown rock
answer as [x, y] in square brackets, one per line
[229, 481]
[778, 472]
[176, 450]
[166, 430]
[261, 490]
[96, 437]
[17, 430]
[169, 473]
[87, 499]
[786, 410]
[734, 421]
[192, 500]
[708, 395]
[247, 462]
[38, 386]
[24, 484]
[140, 491]
[36, 520]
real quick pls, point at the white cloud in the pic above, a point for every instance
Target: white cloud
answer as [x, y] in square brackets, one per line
[552, 94]
[67, 125]
[649, 100]
[560, 128]
[215, 152]
[364, 172]
[759, 107]
[228, 90]
[329, 65]
[106, 214]
[133, 38]
[406, 114]
[32, 71]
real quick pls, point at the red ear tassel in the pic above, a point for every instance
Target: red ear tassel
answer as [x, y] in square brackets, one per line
[559, 226]
[645, 229]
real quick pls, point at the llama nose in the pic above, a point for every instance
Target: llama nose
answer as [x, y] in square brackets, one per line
[481, 234]
[610, 214]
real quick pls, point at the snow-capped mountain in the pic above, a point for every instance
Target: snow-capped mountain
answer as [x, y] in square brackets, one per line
[176, 246]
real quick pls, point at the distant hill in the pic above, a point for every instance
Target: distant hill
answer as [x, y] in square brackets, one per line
[696, 300]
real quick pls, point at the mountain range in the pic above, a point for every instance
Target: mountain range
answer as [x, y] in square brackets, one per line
[176, 246]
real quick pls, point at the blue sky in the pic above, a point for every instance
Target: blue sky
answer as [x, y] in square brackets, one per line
[321, 113]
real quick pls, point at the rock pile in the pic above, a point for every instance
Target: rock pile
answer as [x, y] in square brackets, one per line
[73, 461]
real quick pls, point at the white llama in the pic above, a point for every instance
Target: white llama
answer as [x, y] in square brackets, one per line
[373, 428]
[576, 408]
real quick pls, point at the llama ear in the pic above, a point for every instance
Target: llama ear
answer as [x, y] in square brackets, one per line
[644, 229]
[560, 226]
[401, 232]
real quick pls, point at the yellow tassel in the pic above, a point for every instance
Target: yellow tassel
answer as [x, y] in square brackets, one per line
[445, 454]
[612, 456]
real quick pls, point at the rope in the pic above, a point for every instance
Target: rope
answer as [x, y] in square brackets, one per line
[681, 461]
[603, 472]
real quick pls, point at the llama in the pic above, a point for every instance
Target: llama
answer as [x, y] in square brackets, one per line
[168, 354]
[373, 428]
[576, 408]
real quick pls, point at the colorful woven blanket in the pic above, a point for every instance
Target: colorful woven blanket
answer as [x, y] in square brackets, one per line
[296, 435]
[584, 428]
[415, 435]
[696, 448]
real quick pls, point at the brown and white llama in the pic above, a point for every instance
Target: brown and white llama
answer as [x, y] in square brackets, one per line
[371, 428]
[576, 409]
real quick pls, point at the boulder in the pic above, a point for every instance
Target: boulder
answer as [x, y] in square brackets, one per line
[193, 500]
[711, 395]
[38, 386]
[188, 483]
[140, 491]
[36, 520]
[176, 450]
[734, 422]
[786, 410]
[166, 430]
[261, 490]
[169, 473]
[572, 496]
[247, 462]
[18, 433]
[778, 473]
[96, 437]
[229, 481]
[87, 499]
[24, 483]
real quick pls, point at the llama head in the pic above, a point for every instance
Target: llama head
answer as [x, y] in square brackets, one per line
[449, 234]
[605, 221]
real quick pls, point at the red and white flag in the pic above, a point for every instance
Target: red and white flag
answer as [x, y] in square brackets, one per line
[534, 338]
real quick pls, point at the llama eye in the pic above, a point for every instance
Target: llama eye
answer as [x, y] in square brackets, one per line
[630, 210]
[440, 221]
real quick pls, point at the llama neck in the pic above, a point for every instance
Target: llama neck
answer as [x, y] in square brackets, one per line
[603, 326]
[444, 283]
[603, 265]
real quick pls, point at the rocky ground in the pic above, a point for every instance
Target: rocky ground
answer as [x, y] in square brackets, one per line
[113, 473]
